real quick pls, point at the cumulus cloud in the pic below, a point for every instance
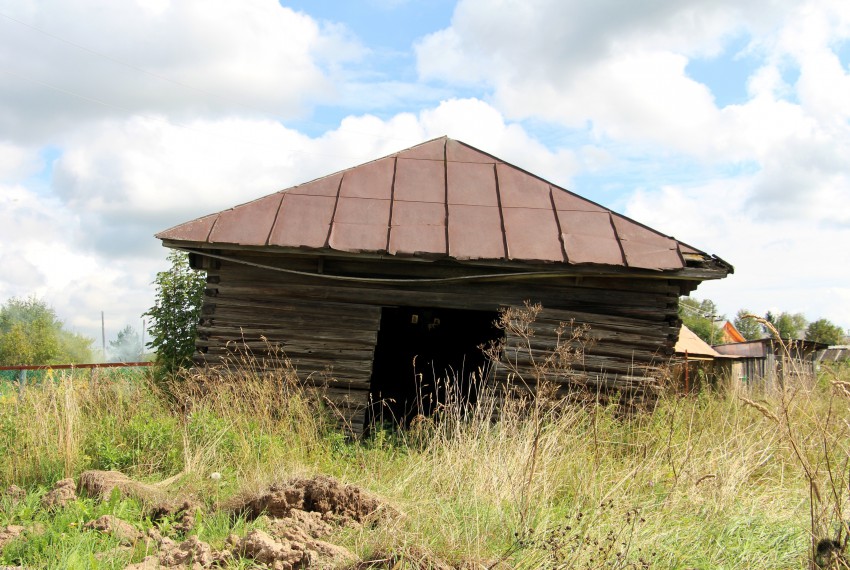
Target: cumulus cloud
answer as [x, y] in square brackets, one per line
[777, 263]
[180, 58]
[619, 72]
[546, 40]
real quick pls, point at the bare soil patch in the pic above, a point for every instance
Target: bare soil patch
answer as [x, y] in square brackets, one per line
[321, 494]
[63, 492]
[294, 517]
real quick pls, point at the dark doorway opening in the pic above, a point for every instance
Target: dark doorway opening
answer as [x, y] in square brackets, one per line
[425, 357]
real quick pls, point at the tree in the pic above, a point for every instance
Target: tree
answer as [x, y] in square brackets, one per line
[76, 348]
[127, 346]
[788, 325]
[750, 328]
[822, 330]
[32, 334]
[174, 316]
[701, 317]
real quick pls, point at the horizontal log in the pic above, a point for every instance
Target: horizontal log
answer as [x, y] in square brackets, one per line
[344, 337]
[511, 293]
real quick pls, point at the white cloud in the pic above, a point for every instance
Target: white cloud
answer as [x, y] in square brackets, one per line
[777, 263]
[619, 72]
[180, 58]
[17, 162]
[545, 40]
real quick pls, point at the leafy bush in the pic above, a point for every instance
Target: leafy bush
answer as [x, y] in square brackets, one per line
[174, 316]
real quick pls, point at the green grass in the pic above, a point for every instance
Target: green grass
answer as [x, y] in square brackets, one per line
[710, 481]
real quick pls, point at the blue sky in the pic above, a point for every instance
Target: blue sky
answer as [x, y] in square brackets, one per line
[722, 124]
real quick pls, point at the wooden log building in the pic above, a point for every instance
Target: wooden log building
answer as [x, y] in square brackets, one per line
[376, 279]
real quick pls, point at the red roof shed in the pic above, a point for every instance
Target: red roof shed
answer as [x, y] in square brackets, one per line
[445, 231]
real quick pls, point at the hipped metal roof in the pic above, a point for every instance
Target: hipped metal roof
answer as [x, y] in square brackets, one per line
[440, 199]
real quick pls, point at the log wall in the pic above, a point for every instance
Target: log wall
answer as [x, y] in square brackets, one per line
[329, 328]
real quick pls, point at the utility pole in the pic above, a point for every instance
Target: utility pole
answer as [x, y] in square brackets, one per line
[103, 335]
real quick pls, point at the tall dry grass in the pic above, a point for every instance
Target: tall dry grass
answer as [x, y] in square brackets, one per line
[705, 481]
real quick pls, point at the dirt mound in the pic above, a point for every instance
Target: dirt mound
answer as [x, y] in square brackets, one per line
[282, 553]
[191, 553]
[100, 484]
[309, 524]
[264, 549]
[321, 494]
[184, 513]
[63, 492]
[122, 530]
[10, 533]
[14, 494]
[276, 552]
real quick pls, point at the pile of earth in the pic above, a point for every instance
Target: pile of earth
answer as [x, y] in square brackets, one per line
[296, 516]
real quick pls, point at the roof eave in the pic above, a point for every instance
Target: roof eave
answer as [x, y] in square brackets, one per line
[565, 269]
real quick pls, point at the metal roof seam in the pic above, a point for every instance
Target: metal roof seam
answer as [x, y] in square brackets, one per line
[446, 189]
[333, 214]
[212, 227]
[501, 213]
[392, 196]
[679, 252]
[558, 224]
[618, 239]
[276, 215]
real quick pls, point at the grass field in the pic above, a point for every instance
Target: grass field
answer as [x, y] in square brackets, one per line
[706, 481]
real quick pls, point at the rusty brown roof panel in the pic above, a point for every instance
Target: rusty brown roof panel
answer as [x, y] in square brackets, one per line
[471, 184]
[195, 230]
[248, 224]
[589, 237]
[363, 211]
[360, 224]
[519, 190]
[420, 180]
[431, 150]
[303, 221]
[475, 232]
[398, 205]
[418, 214]
[457, 151]
[418, 228]
[532, 234]
[646, 248]
[370, 180]
[355, 238]
[418, 240]
[327, 186]
[567, 201]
